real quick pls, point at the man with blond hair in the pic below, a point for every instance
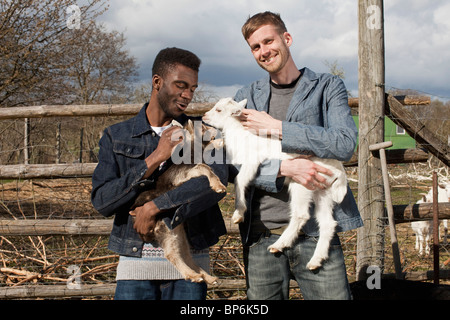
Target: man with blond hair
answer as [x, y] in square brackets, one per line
[309, 113]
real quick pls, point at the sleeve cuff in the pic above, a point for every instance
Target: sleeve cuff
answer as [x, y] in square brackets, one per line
[268, 176]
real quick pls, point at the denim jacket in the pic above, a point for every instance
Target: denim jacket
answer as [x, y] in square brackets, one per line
[117, 181]
[318, 122]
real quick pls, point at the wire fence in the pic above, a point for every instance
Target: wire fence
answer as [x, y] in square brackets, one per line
[78, 265]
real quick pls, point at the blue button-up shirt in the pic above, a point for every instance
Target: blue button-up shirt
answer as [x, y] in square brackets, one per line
[318, 122]
[118, 180]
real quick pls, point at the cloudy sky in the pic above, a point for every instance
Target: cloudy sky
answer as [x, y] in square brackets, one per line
[417, 38]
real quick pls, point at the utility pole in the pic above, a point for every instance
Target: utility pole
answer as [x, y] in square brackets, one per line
[370, 245]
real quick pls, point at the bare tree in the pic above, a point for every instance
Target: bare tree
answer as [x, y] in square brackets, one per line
[34, 38]
[99, 68]
[47, 59]
[335, 69]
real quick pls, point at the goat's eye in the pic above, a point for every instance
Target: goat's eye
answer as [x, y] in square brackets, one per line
[219, 110]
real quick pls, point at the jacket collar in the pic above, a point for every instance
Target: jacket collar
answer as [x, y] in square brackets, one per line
[307, 82]
[140, 124]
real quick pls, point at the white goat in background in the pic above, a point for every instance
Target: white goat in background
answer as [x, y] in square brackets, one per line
[250, 150]
[424, 229]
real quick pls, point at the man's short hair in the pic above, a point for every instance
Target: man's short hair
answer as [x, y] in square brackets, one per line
[168, 58]
[261, 19]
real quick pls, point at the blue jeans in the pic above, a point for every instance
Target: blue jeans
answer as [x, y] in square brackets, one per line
[160, 290]
[268, 274]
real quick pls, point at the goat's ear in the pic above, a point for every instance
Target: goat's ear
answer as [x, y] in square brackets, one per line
[236, 113]
[243, 103]
[176, 123]
[189, 126]
[424, 197]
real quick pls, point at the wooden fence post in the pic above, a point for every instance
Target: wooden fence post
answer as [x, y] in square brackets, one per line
[81, 145]
[58, 144]
[370, 245]
[26, 142]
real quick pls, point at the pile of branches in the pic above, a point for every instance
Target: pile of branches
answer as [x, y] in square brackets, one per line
[53, 260]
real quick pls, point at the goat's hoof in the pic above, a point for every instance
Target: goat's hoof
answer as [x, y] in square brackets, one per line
[237, 220]
[237, 217]
[273, 249]
[220, 189]
[212, 280]
[312, 265]
[198, 279]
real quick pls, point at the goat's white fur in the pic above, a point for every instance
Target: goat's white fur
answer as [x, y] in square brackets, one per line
[424, 229]
[250, 150]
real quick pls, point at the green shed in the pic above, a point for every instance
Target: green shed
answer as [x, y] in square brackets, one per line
[399, 137]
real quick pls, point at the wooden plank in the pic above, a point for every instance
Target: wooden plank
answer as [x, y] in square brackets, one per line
[80, 170]
[419, 212]
[69, 111]
[84, 170]
[87, 110]
[413, 100]
[416, 129]
[47, 171]
[132, 109]
[87, 290]
[407, 100]
[396, 156]
[42, 227]
[54, 291]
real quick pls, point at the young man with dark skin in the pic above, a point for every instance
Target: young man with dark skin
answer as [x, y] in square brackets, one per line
[309, 113]
[133, 154]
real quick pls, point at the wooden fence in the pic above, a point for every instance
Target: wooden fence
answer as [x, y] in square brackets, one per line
[28, 227]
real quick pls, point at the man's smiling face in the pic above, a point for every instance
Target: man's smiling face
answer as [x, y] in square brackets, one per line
[270, 49]
[177, 90]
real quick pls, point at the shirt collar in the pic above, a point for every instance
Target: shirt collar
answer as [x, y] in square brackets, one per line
[141, 125]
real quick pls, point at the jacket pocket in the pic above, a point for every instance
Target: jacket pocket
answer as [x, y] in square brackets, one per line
[128, 150]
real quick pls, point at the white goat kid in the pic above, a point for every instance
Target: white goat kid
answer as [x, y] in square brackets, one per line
[424, 229]
[250, 150]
